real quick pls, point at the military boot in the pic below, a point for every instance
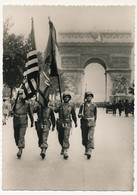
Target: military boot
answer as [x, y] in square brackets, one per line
[89, 153]
[19, 153]
[43, 151]
[65, 154]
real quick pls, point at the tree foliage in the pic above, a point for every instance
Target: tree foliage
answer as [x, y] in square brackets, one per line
[67, 83]
[14, 57]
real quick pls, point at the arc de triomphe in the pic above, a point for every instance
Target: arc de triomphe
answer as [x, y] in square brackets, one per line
[112, 50]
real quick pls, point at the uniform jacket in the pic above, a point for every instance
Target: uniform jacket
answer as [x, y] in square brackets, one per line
[20, 113]
[66, 113]
[88, 111]
[46, 115]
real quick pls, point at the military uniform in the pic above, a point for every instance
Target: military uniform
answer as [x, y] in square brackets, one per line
[64, 124]
[20, 122]
[45, 119]
[88, 115]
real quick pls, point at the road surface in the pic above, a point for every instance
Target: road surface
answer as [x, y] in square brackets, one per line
[110, 167]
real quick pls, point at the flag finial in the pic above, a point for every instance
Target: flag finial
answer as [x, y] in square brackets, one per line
[49, 18]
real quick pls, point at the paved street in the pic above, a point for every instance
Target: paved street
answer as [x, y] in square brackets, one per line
[110, 168]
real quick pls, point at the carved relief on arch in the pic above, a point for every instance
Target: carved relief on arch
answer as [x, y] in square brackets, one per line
[119, 61]
[70, 61]
[120, 84]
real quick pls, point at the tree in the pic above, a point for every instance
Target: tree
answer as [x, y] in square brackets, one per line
[67, 83]
[14, 57]
[40, 58]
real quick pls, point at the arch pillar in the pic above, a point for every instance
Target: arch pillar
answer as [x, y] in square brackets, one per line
[105, 85]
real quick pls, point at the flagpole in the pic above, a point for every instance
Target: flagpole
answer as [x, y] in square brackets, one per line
[59, 88]
[34, 47]
[58, 78]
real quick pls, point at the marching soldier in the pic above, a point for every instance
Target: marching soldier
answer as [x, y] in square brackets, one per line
[20, 121]
[88, 115]
[45, 119]
[64, 123]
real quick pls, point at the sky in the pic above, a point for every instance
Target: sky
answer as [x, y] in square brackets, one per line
[68, 18]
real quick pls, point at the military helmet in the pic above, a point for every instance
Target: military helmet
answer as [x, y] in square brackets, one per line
[21, 91]
[88, 93]
[66, 94]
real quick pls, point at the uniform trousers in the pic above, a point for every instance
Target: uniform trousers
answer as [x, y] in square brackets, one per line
[63, 137]
[88, 136]
[19, 135]
[43, 136]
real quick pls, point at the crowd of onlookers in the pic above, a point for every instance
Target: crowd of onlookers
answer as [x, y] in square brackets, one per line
[126, 106]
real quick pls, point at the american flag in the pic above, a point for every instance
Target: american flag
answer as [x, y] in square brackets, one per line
[49, 67]
[31, 72]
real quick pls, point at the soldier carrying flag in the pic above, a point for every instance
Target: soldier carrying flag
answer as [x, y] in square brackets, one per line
[43, 124]
[20, 121]
[44, 112]
[21, 107]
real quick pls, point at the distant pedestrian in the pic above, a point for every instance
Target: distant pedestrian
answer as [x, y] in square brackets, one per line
[88, 115]
[119, 106]
[5, 110]
[132, 107]
[20, 121]
[114, 105]
[43, 124]
[126, 105]
[66, 113]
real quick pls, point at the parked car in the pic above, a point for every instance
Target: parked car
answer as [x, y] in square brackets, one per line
[109, 107]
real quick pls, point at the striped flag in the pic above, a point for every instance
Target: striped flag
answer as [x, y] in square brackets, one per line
[31, 72]
[49, 67]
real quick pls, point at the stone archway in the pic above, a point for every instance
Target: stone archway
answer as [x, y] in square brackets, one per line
[95, 78]
[111, 49]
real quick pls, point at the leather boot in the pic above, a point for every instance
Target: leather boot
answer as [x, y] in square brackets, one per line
[89, 153]
[43, 151]
[65, 154]
[19, 153]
